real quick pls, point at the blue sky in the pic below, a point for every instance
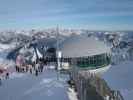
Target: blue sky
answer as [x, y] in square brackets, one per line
[90, 14]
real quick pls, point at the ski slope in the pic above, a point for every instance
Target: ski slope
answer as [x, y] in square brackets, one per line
[46, 86]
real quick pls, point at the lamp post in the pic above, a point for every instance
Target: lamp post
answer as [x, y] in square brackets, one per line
[58, 52]
[59, 55]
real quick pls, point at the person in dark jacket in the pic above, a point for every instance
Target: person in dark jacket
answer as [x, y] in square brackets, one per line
[0, 82]
[7, 75]
[36, 72]
[16, 67]
[41, 67]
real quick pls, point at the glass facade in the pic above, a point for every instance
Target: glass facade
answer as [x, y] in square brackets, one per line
[92, 62]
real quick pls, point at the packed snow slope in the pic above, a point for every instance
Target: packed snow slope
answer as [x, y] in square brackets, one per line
[120, 77]
[29, 87]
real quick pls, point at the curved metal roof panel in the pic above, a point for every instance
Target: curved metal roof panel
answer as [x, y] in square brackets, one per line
[81, 45]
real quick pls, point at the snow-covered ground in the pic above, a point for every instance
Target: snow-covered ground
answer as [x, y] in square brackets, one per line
[43, 87]
[120, 77]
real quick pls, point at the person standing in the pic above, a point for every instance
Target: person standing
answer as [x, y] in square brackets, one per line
[27, 68]
[16, 67]
[0, 81]
[41, 67]
[36, 72]
[31, 68]
[7, 75]
[36, 69]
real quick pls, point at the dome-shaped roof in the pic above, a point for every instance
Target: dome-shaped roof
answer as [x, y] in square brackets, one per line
[81, 45]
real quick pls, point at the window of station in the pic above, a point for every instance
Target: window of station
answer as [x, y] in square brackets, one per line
[94, 61]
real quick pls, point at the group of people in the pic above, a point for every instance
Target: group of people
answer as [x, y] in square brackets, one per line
[35, 67]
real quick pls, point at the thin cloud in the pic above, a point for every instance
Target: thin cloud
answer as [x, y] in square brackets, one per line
[66, 12]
